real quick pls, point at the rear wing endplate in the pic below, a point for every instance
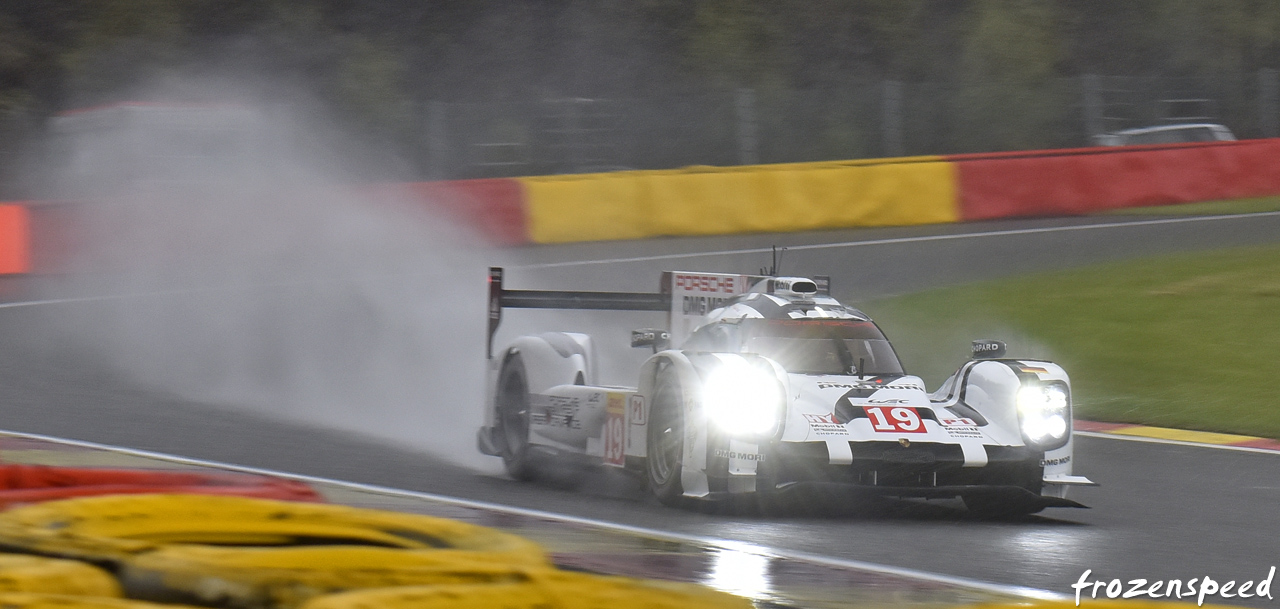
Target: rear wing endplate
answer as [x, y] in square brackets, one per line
[501, 298]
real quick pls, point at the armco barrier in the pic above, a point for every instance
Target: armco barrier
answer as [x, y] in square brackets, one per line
[1082, 181]
[725, 200]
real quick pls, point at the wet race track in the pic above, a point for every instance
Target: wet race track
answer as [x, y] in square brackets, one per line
[1163, 511]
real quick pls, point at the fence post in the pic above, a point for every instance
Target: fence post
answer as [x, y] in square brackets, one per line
[437, 144]
[1269, 102]
[748, 145]
[1093, 112]
[891, 118]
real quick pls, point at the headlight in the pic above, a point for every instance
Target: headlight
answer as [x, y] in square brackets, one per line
[1044, 412]
[742, 399]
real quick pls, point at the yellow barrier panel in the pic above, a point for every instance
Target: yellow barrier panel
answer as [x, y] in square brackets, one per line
[726, 200]
[553, 590]
[22, 573]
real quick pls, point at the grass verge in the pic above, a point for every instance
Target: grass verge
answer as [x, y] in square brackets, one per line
[1189, 341]
[1205, 208]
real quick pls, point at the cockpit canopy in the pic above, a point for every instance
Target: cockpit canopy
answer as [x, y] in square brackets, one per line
[803, 346]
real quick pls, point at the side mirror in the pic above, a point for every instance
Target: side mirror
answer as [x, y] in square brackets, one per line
[651, 337]
[988, 349]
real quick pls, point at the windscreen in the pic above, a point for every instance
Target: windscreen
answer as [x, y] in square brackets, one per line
[804, 346]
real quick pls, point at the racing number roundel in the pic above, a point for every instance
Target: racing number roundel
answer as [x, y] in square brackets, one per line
[615, 430]
[897, 419]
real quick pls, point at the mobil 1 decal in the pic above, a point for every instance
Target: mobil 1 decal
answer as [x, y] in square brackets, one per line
[825, 425]
[960, 427]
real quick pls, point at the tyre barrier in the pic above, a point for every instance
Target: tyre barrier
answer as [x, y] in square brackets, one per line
[287, 577]
[246, 553]
[251, 553]
[23, 484]
[549, 590]
[21, 600]
[37, 574]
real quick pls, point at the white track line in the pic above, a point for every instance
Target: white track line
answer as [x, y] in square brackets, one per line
[755, 250]
[1116, 436]
[947, 237]
[713, 542]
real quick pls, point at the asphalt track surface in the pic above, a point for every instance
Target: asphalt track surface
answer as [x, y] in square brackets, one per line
[1163, 511]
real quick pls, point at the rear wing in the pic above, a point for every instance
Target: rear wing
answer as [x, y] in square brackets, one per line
[686, 297]
[501, 298]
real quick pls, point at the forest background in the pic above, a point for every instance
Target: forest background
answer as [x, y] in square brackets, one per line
[485, 83]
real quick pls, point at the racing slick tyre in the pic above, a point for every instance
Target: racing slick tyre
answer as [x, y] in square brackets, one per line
[666, 442]
[513, 420]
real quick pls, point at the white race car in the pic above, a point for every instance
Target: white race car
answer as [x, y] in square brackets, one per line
[775, 386]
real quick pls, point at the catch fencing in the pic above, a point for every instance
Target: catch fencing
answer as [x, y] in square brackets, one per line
[860, 119]
[863, 119]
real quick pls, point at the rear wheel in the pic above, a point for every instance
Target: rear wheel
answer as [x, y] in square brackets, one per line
[666, 442]
[512, 403]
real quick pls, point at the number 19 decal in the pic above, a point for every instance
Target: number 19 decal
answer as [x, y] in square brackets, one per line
[896, 419]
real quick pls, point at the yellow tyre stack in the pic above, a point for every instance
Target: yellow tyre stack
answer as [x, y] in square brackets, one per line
[261, 554]
[26, 600]
[37, 574]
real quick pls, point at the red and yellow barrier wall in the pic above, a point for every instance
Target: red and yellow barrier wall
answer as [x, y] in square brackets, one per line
[880, 192]
[786, 197]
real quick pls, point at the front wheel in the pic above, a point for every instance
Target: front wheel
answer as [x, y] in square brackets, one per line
[665, 442]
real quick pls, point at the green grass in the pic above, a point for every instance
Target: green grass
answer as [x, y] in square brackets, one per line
[1189, 341]
[1206, 208]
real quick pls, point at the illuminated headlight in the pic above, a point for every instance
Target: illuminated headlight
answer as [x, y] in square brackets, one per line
[742, 399]
[1044, 411]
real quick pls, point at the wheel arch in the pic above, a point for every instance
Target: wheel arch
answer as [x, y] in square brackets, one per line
[694, 458]
[554, 358]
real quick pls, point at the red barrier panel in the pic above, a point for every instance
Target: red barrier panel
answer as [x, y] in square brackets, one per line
[1081, 181]
[20, 484]
[494, 206]
[15, 239]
